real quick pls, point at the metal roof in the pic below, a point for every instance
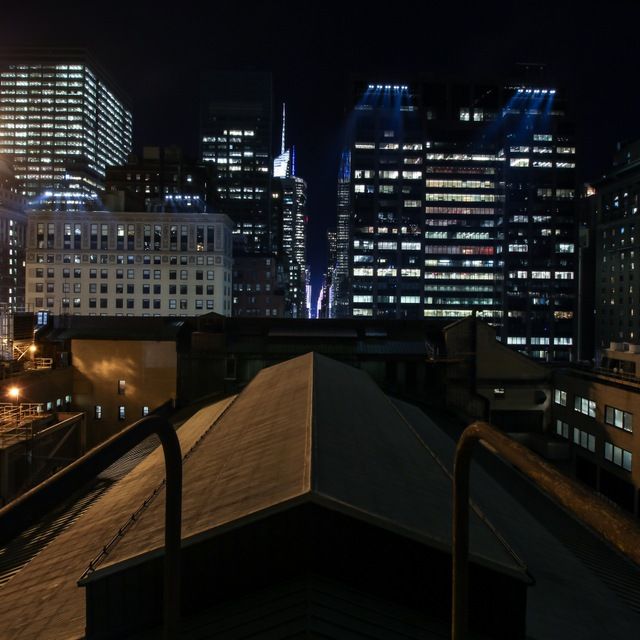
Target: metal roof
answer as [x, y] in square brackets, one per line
[314, 429]
[309, 429]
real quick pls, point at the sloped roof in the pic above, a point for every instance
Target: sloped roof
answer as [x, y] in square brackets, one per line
[309, 429]
[43, 599]
[314, 429]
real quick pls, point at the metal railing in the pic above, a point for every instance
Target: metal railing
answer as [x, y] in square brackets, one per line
[19, 514]
[619, 530]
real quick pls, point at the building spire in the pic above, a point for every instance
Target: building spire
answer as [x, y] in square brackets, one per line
[284, 116]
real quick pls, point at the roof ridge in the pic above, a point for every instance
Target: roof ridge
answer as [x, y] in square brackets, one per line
[472, 504]
[133, 518]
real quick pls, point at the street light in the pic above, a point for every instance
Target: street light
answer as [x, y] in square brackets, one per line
[14, 392]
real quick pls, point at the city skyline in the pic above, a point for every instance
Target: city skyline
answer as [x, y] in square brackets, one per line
[312, 50]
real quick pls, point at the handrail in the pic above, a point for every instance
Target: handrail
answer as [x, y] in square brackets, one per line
[21, 511]
[615, 527]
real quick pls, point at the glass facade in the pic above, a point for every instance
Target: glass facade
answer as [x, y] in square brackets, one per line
[235, 138]
[461, 200]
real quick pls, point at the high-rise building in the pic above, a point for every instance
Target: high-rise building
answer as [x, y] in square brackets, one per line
[341, 275]
[63, 121]
[458, 198]
[290, 238]
[326, 298]
[13, 225]
[617, 250]
[159, 180]
[236, 138]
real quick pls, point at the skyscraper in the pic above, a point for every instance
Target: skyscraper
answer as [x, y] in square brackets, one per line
[62, 122]
[341, 274]
[235, 137]
[617, 249]
[159, 180]
[290, 238]
[459, 199]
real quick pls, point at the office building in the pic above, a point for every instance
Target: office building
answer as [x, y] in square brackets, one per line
[459, 198]
[63, 121]
[341, 276]
[236, 139]
[617, 250]
[326, 298]
[593, 410]
[289, 210]
[260, 287]
[129, 264]
[161, 179]
[13, 224]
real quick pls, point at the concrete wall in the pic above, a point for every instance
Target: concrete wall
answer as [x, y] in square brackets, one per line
[149, 371]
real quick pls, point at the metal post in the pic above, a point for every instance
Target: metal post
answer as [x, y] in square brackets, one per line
[614, 526]
[172, 526]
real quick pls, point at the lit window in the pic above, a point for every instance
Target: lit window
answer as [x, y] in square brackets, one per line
[585, 406]
[618, 456]
[562, 429]
[145, 411]
[584, 439]
[121, 412]
[618, 418]
[97, 412]
[560, 397]
[121, 387]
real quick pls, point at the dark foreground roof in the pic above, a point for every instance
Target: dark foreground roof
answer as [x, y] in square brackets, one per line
[308, 437]
[314, 428]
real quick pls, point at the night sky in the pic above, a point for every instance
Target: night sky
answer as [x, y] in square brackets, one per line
[156, 52]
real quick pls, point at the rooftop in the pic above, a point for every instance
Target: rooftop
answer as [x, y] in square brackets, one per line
[308, 430]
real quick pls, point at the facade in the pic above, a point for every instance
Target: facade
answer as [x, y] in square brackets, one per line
[594, 410]
[13, 224]
[134, 379]
[289, 211]
[342, 272]
[129, 264]
[62, 123]
[259, 287]
[160, 180]
[617, 250]
[458, 198]
[326, 298]
[236, 139]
